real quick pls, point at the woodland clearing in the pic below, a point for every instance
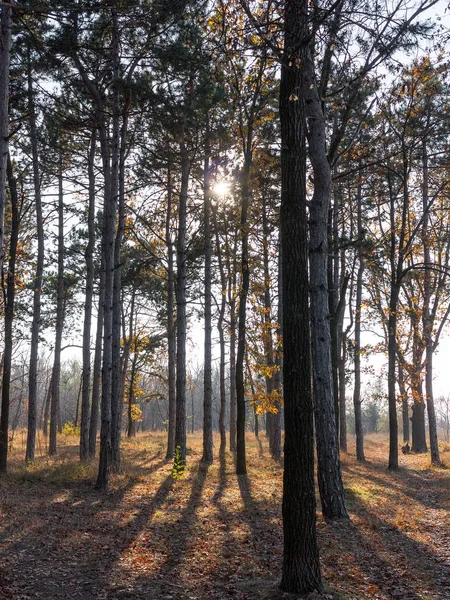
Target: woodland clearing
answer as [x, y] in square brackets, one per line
[213, 535]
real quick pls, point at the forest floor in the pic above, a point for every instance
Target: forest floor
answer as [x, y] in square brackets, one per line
[212, 535]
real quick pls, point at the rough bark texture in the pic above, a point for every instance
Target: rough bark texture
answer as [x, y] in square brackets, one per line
[301, 569]
[9, 317]
[180, 427]
[89, 258]
[329, 472]
[207, 371]
[37, 285]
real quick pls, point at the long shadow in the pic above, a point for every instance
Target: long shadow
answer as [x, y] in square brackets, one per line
[417, 486]
[177, 537]
[75, 542]
[400, 582]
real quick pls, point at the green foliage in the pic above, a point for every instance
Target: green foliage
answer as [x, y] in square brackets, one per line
[70, 429]
[179, 465]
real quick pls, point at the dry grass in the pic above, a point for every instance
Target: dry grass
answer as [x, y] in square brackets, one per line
[213, 535]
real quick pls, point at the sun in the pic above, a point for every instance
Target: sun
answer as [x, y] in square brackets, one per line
[221, 188]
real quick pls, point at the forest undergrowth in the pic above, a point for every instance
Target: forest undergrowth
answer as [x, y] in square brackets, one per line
[213, 535]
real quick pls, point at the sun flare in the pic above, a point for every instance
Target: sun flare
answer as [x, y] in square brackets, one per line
[221, 188]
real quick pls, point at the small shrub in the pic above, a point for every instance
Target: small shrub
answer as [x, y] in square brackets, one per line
[179, 465]
[70, 429]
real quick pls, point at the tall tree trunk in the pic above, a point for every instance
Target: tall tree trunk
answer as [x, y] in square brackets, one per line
[232, 274]
[328, 471]
[37, 284]
[9, 294]
[427, 316]
[278, 377]
[301, 568]
[5, 50]
[333, 299]
[180, 427]
[110, 174]
[89, 258]
[97, 368]
[274, 445]
[171, 331]
[60, 301]
[342, 354]
[119, 173]
[220, 329]
[357, 343]
[207, 374]
[241, 466]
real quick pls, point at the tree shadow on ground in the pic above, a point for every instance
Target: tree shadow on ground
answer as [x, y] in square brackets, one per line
[402, 568]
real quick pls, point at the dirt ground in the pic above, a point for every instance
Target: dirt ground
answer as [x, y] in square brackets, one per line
[212, 535]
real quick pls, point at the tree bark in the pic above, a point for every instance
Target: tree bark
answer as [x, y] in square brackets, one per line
[357, 343]
[405, 408]
[89, 258]
[427, 317]
[241, 466]
[329, 472]
[220, 329]
[207, 373]
[97, 368]
[301, 568]
[180, 427]
[37, 284]
[60, 301]
[9, 295]
[171, 331]
[232, 273]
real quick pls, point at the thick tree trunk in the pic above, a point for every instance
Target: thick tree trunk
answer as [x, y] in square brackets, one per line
[329, 472]
[171, 331]
[9, 294]
[180, 427]
[89, 258]
[301, 568]
[37, 285]
[207, 372]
